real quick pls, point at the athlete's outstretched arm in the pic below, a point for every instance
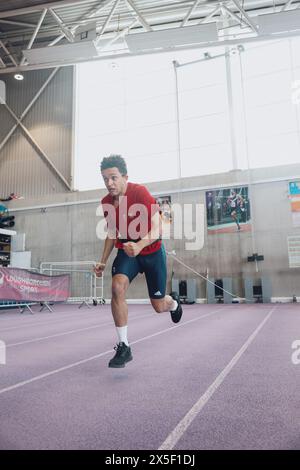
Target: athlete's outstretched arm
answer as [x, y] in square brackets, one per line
[108, 247]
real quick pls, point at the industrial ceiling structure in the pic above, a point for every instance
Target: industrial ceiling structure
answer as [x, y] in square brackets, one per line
[39, 33]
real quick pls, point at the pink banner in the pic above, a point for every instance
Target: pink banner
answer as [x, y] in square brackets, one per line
[22, 285]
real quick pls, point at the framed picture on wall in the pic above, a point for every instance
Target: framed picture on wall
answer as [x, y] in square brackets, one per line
[228, 210]
[294, 196]
[164, 203]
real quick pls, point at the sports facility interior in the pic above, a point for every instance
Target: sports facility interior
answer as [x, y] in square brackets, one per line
[202, 100]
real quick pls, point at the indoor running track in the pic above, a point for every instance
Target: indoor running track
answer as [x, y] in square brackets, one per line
[223, 378]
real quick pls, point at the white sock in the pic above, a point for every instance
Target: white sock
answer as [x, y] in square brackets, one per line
[174, 305]
[122, 334]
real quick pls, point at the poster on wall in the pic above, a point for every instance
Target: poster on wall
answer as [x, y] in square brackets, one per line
[294, 195]
[228, 210]
[164, 203]
[165, 206]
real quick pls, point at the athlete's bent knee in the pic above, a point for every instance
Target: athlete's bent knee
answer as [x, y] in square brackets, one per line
[118, 289]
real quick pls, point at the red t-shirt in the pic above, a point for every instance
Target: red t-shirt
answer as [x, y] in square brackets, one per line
[129, 221]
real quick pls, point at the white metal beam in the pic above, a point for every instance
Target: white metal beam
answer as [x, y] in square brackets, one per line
[179, 174]
[234, 16]
[89, 15]
[125, 54]
[246, 16]
[40, 7]
[107, 21]
[121, 34]
[213, 13]
[67, 3]
[56, 40]
[287, 5]
[8, 53]
[204, 59]
[37, 28]
[139, 15]
[189, 13]
[17, 23]
[203, 6]
[66, 31]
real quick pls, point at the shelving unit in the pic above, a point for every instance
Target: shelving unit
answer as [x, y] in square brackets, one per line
[5, 246]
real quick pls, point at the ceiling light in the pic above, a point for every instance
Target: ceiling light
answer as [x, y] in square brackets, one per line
[18, 76]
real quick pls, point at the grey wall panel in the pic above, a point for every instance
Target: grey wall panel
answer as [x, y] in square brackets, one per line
[48, 234]
[50, 123]
[211, 299]
[266, 289]
[20, 93]
[249, 290]
[191, 290]
[50, 120]
[175, 285]
[23, 171]
[227, 286]
[6, 122]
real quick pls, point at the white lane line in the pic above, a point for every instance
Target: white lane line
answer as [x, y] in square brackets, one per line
[83, 361]
[70, 332]
[97, 325]
[111, 323]
[57, 319]
[182, 426]
[71, 309]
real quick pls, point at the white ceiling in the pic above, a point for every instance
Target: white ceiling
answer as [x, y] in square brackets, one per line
[38, 24]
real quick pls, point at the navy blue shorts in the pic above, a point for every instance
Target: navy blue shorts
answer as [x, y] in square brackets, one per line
[154, 266]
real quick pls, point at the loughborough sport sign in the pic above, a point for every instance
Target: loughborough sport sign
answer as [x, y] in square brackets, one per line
[23, 285]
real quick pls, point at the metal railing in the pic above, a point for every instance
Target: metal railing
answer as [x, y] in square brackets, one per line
[86, 287]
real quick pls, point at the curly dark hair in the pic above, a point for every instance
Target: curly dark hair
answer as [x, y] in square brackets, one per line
[114, 161]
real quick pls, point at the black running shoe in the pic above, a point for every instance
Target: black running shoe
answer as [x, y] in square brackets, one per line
[176, 314]
[123, 355]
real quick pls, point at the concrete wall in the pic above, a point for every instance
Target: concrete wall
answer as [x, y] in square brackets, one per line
[68, 232]
[23, 168]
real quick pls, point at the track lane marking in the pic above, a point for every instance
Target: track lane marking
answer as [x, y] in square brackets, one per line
[97, 356]
[183, 425]
[9, 345]
[47, 322]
